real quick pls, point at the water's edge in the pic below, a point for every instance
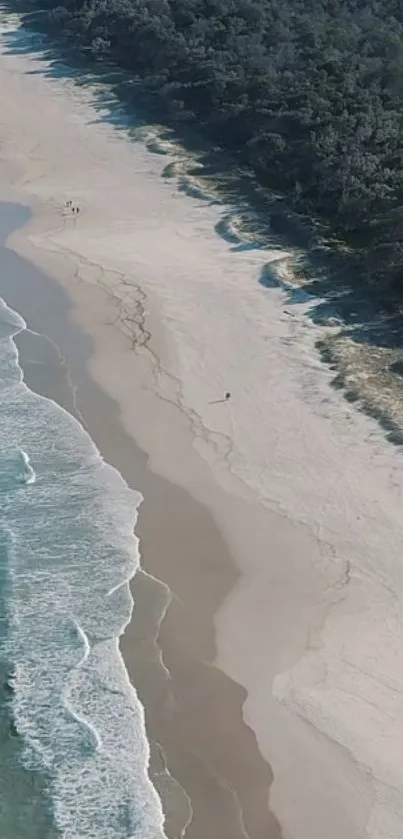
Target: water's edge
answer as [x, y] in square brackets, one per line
[64, 678]
[150, 647]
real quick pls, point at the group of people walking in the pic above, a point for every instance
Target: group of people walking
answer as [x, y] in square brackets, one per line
[73, 208]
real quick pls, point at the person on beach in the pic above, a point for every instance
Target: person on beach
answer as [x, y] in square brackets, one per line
[227, 396]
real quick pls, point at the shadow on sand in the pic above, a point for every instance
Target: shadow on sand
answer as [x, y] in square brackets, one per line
[324, 275]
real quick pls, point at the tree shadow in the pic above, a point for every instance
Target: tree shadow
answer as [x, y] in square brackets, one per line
[327, 277]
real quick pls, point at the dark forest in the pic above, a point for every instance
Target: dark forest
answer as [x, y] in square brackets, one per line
[309, 95]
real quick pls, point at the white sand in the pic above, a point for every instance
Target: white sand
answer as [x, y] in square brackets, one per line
[314, 630]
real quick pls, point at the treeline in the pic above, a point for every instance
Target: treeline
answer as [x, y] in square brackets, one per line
[308, 93]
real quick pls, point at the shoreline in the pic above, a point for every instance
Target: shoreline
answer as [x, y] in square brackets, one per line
[304, 489]
[200, 740]
[266, 546]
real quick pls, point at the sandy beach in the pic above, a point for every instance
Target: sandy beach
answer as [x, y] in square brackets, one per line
[193, 711]
[273, 522]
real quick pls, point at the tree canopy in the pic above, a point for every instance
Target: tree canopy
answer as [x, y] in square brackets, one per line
[307, 93]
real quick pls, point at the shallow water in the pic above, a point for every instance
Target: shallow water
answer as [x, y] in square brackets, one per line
[74, 750]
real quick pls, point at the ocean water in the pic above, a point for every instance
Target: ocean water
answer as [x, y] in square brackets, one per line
[74, 753]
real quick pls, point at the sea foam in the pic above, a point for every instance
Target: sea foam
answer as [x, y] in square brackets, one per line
[68, 552]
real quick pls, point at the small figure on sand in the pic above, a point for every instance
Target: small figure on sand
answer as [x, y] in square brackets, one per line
[227, 396]
[73, 208]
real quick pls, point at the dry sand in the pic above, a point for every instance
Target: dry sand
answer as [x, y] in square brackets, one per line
[194, 715]
[305, 492]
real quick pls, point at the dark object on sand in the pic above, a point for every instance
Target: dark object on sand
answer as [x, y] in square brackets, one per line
[217, 401]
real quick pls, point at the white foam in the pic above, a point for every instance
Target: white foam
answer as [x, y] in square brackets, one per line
[28, 472]
[70, 554]
[286, 436]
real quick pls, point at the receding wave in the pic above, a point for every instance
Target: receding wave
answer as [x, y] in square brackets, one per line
[68, 551]
[27, 472]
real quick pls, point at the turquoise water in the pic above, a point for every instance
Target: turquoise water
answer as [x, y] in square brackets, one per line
[73, 748]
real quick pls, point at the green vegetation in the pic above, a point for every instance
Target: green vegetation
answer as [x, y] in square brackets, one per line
[308, 94]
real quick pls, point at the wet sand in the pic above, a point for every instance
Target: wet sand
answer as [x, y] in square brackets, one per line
[304, 490]
[193, 711]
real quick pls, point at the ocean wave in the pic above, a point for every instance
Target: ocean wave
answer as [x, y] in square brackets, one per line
[28, 475]
[68, 551]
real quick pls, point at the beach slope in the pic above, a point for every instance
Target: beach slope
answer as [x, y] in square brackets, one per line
[305, 491]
